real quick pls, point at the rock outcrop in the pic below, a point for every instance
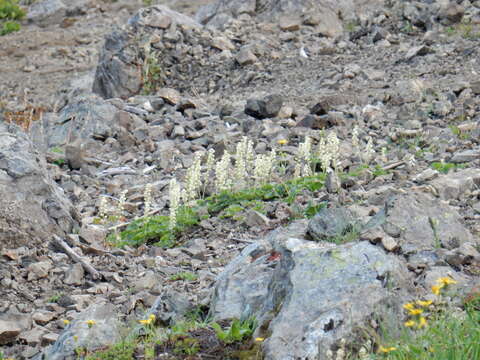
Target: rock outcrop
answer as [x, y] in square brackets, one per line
[32, 206]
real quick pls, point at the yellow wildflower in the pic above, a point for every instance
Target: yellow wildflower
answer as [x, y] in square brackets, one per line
[152, 317]
[90, 323]
[145, 322]
[259, 339]
[436, 289]
[75, 338]
[422, 322]
[409, 306]
[415, 311]
[444, 281]
[282, 142]
[385, 350]
[410, 323]
[424, 303]
[66, 322]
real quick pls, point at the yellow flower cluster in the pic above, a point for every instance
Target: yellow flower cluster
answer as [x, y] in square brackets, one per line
[386, 350]
[90, 323]
[442, 282]
[150, 320]
[418, 320]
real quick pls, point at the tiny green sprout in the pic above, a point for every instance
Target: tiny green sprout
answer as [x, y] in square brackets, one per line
[186, 276]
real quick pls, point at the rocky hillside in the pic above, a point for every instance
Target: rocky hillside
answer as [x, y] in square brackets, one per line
[305, 167]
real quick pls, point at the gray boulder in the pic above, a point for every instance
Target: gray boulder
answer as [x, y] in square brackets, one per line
[313, 294]
[419, 221]
[32, 206]
[46, 12]
[121, 69]
[85, 118]
[268, 107]
[105, 331]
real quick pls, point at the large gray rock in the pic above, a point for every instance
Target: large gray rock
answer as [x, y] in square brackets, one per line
[456, 184]
[47, 12]
[85, 118]
[121, 69]
[422, 221]
[32, 206]
[312, 294]
[78, 334]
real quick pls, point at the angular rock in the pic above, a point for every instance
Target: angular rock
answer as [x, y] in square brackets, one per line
[118, 73]
[268, 107]
[420, 220]
[309, 293]
[330, 223]
[104, 332]
[222, 43]
[170, 96]
[43, 317]
[246, 57]
[39, 270]
[32, 206]
[46, 12]
[289, 23]
[75, 275]
[465, 156]
[420, 50]
[11, 325]
[9, 330]
[85, 118]
[455, 185]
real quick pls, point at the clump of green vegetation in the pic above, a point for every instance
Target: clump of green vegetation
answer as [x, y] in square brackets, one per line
[55, 298]
[351, 233]
[10, 12]
[121, 351]
[445, 168]
[462, 135]
[351, 26]
[152, 75]
[186, 276]
[236, 332]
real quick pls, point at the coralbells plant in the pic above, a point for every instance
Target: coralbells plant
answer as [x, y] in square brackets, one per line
[244, 169]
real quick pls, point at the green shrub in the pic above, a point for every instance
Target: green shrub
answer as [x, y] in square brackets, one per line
[237, 331]
[120, 351]
[9, 12]
[9, 27]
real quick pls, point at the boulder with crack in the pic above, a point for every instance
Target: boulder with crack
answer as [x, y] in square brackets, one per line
[313, 294]
[32, 206]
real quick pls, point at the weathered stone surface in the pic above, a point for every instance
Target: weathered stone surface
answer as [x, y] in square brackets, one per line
[246, 57]
[46, 12]
[455, 185]
[317, 293]
[32, 206]
[330, 223]
[118, 73]
[421, 220]
[8, 331]
[268, 107]
[105, 331]
[85, 118]
[74, 275]
[39, 270]
[465, 156]
[11, 325]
